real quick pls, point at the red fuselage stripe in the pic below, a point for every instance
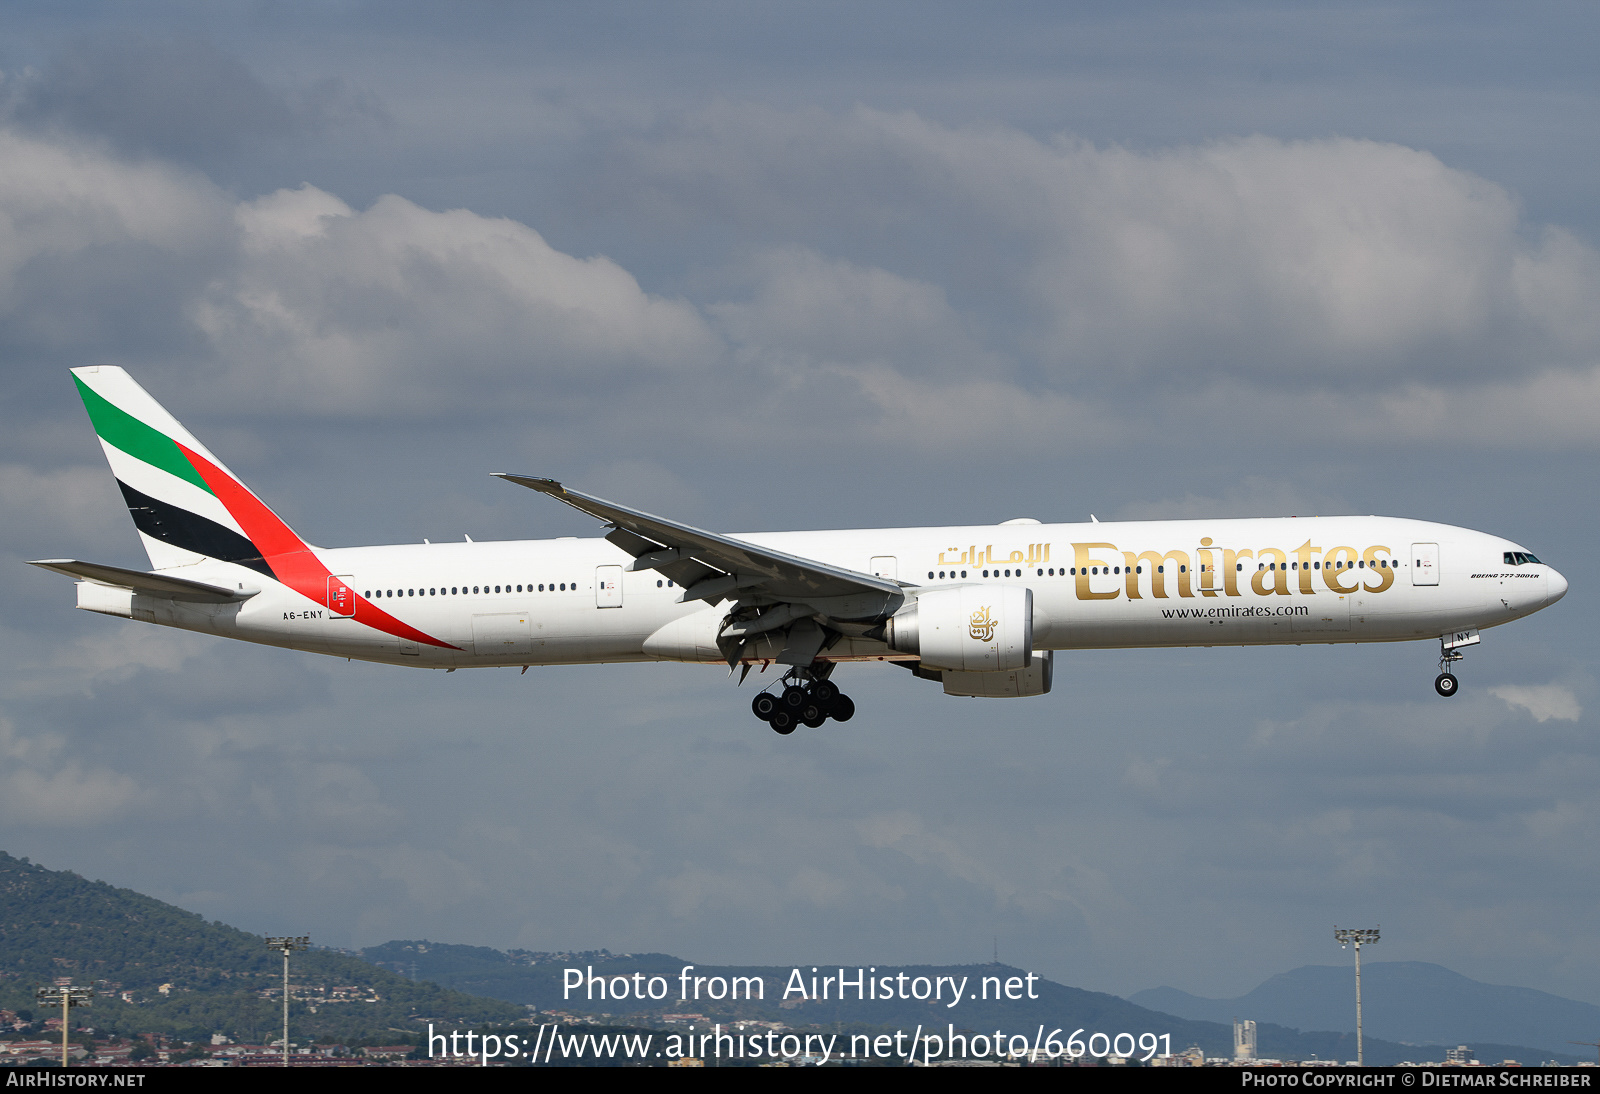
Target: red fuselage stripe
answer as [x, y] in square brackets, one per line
[292, 562]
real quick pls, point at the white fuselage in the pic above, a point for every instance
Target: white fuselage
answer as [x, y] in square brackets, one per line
[1099, 585]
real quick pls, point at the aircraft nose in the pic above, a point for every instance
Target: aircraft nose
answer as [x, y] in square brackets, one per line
[1555, 587]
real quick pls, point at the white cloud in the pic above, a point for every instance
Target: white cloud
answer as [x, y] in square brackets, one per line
[399, 307]
[1332, 289]
[1542, 701]
[67, 798]
[829, 310]
[60, 197]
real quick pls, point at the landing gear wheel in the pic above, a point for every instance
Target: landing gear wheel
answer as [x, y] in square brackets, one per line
[764, 706]
[812, 715]
[794, 697]
[824, 693]
[782, 721]
[1446, 684]
[843, 709]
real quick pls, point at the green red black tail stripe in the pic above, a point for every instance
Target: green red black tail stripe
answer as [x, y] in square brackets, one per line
[190, 531]
[290, 560]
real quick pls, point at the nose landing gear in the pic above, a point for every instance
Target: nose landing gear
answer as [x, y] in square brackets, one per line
[1446, 683]
[808, 698]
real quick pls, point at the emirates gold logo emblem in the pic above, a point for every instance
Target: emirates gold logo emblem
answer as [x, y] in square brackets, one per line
[983, 625]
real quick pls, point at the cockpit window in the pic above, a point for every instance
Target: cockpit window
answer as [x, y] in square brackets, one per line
[1520, 558]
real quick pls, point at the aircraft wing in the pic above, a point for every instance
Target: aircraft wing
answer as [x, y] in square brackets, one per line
[714, 567]
[173, 588]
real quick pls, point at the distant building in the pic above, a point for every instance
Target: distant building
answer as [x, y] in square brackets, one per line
[1461, 1054]
[1244, 1039]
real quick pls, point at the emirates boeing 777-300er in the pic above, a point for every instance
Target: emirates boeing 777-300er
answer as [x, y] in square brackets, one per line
[980, 609]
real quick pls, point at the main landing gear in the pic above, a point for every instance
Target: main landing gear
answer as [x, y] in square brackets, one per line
[807, 699]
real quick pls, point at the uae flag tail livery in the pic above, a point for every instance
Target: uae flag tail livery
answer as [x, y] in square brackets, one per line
[979, 608]
[210, 540]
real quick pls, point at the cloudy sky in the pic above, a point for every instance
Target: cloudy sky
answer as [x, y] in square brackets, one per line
[808, 266]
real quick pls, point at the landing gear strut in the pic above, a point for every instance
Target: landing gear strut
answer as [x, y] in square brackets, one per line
[808, 697]
[1446, 683]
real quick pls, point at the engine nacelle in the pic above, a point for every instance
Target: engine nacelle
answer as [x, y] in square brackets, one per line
[967, 628]
[1013, 684]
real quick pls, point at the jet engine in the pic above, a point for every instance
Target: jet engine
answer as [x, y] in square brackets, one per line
[966, 628]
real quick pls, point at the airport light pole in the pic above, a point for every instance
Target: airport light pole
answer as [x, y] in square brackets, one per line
[286, 945]
[1359, 937]
[69, 997]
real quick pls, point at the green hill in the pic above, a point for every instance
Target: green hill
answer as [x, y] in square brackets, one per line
[219, 979]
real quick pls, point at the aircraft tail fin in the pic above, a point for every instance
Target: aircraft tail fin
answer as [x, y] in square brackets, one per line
[185, 503]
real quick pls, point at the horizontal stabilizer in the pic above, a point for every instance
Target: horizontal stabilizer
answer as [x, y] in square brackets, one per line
[173, 588]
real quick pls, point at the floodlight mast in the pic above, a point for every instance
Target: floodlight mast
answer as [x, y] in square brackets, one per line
[69, 997]
[1358, 937]
[286, 945]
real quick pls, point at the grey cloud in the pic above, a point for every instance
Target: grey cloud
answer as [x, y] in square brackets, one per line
[172, 96]
[835, 311]
[1291, 263]
[98, 252]
[1367, 292]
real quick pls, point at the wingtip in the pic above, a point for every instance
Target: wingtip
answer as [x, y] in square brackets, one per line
[532, 482]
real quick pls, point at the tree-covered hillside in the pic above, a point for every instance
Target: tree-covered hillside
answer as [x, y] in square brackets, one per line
[55, 923]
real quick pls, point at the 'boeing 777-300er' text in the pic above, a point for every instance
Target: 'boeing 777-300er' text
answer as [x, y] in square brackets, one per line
[979, 609]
